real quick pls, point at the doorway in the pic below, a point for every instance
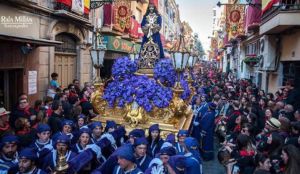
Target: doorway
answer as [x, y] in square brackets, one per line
[65, 61]
[11, 87]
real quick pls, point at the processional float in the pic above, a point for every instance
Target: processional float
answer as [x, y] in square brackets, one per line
[151, 89]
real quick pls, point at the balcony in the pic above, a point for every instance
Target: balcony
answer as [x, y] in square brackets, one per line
[280, 17]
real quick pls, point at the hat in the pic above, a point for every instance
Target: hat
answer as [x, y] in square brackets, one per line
[81, 116]
[274, 123]
[137, 133]
[28, 153]
[3, 111]
[182, 133]
[177, 161]
[67, 122]
[110, 124]
[43, 128]
[170, 151]
[9, 139]
[126, 152]
[191, 143]
[139, 141]
[170, 138]
[95, 124]
[84, 130]
[63, 138]
[153, 128]
[212, 105]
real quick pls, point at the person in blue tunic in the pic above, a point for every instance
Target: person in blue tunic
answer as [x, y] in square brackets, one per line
[66, 128]
[181, 135]
[126, 161]
[82, 145]
[154, 140]
[27, 162]
[198, 113]
[43, 144]
[96, 128]
[62, 147]
[207, 127]
[193, 160]
[140, 152]
[110, 126]
[9, 154]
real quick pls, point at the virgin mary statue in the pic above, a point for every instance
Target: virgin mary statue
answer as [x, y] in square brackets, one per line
[151, 49]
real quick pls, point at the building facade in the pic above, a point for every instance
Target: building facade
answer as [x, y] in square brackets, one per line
[38, 38]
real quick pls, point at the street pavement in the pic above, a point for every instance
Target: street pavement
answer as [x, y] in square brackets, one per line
[213, 167]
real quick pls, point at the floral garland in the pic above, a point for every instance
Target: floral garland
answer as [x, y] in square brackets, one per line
[165, 73]
[123, 68]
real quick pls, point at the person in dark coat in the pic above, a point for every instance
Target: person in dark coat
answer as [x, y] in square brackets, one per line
[56, 117]
[179, 145]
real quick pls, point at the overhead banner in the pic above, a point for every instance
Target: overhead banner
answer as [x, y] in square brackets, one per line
[87, 6]
[120, 45]
[235, 18]
[121, 15]
[78, 6]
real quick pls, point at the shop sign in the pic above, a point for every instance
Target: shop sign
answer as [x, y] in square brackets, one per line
[120, 45]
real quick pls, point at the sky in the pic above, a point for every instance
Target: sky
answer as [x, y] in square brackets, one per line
[199, 14]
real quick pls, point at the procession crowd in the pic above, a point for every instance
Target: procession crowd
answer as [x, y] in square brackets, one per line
[258, 133]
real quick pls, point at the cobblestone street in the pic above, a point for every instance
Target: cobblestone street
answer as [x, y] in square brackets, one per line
[213, 167]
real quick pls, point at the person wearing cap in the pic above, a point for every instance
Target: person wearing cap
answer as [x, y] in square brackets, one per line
[8, 154]
[4, 122]
[181, 135]
[110, 126]
[126, 161]
[207, 127]
[193, 160]
[154, 140]
[140, 152]
[83, 140]
[43, 144]
[97, 129]
[27, 162]
[135, 133]
[178, 164]
[66, 128]
[81, 121]
[62, 147]
[164, 155]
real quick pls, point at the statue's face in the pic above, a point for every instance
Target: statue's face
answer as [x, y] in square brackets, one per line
[151, 8]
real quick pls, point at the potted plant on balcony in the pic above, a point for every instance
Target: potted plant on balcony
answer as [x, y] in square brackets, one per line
[251, 59]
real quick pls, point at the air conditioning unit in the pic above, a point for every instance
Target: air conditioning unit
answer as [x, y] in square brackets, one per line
[268, 53]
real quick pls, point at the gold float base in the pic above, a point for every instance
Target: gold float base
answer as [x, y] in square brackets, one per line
[171, 125]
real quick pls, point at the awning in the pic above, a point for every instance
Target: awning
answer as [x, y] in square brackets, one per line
[39, 42]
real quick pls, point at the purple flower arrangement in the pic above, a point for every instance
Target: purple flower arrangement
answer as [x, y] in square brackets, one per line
[165, 72]
[128, 87]
[123, 68]
[186, 90]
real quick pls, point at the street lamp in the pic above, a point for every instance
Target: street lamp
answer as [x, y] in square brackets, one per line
[180, 55]
[97, 54]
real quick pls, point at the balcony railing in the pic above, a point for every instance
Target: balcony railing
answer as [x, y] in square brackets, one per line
[283, 5]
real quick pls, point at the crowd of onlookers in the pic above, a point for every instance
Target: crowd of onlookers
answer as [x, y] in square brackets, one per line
[258, 132]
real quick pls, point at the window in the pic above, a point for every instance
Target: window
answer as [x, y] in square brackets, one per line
[253, 48]
[68, 45]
